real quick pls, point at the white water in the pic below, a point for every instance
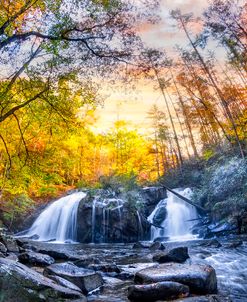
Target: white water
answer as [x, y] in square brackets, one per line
[57, 222]
[106, 205]
[140, 228]
[180, 215]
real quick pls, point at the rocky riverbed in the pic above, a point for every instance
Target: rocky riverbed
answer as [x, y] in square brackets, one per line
[199, 270]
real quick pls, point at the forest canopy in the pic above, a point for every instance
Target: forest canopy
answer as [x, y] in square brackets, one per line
[54, 55]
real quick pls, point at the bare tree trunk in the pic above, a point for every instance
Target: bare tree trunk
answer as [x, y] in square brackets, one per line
[215, 85]
[170, 116]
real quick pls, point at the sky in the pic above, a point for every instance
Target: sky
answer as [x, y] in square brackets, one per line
[133, 106]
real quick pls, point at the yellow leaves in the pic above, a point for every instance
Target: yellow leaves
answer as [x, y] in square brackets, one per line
[19, 13]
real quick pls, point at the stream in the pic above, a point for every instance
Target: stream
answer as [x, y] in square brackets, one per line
[172, 221]
[229, 264]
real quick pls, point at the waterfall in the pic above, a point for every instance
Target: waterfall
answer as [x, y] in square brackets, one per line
[157, 231]
[178, 223]
[58, 221]
[93, 219]
[140, 228]
[102, 211]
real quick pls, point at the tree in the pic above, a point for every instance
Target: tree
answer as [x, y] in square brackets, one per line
[183, 20]
[51, 52]
[225, 22]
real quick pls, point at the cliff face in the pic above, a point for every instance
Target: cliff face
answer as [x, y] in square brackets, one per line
[110, 217]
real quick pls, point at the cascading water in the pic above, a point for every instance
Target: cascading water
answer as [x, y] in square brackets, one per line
[179, 220]
[102, 211]
[140, 228]
[58, 221]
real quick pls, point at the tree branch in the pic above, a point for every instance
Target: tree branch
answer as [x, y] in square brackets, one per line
[16, 108]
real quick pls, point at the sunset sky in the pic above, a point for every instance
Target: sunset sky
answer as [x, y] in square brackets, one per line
[133, 106]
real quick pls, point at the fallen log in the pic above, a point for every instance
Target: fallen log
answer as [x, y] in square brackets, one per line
[200, 209]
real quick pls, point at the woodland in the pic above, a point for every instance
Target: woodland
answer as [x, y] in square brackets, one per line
[55, 56]
[149, 211]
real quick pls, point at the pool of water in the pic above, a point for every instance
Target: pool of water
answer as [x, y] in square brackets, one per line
[230, 265]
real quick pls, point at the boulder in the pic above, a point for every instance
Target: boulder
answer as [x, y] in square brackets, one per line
[203, 254]
[63, 282]
[178, 254]
[148, 245]
[19, 283]
[201, 279]
[212, 243]
[161, 214]
[10, 243]
[234, 244]
[209, 298]
[113, 283]
[86, 280]
[161, 239]
[58, 255]
[157, 291]
[85, 261]
[30, 247]
[105, 267]
[116, 220]
[3, 248]
[35, 258]
[152, 195]
[12, 256]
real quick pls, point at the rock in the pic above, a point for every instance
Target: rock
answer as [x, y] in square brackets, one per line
[63, 282]
[157, 291]
[3, 248]
[12, 256]
[129, 271]
[223, 228]
[129, 228]
[86, 280]
[113, 282]
[148, 245]
[34, 237]
[161, 213]
[152, 195]
[213, 243]
[58, 255]
[30, 247]
[36, 258]
[85, 261]
[10, 244]
[19, 283]
[210, 298]
[161, 239]
[178, 254]
[105, 267]
[234, 244]
[203, 254]
[201, 279]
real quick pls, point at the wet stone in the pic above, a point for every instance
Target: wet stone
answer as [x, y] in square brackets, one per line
[157, 291]
[63, 282]
[210, 298]
[234, 244]
[19, 283]
[178, 254]
[201, 279]
[36, 258]
[105, 267]
[10, 244]
[86, 280]
[148, 245]
[3, 248]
